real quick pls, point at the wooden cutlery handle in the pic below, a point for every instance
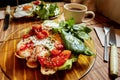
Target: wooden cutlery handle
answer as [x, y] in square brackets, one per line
[114, 61]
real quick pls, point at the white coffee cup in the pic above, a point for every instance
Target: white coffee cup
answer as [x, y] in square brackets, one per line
[78, 12]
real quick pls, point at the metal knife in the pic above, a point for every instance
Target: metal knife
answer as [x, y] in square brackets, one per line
[7, 18]
[113, 54]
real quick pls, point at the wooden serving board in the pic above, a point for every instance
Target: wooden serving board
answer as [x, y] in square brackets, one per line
[16, 68]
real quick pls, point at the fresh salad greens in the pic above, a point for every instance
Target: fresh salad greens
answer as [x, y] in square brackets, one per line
[72, 43]
[73, 36]
[45, 11]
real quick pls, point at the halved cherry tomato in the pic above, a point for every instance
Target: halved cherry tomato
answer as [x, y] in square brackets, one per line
[26, 36]
[23, 47]
[44, 61]
[45, 32]
[37, 2]
[65, 54]
[55, 52]
[37, 28]
[39, 32]
[42, 34]
[27, 45]
[59, 46]
[30, 44]
[55, 61]
[61, 59]
[32, 32]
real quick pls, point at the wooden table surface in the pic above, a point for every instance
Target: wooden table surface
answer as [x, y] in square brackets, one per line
[100, 70]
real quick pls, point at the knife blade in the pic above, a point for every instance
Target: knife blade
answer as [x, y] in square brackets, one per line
[113, 54]
[7, 18]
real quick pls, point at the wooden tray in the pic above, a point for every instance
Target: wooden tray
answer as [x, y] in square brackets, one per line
[16, 68]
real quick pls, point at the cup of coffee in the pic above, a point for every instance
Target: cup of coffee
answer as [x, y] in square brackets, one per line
[78, 12]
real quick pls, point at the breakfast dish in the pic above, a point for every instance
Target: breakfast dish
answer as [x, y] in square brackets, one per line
[36, 9]
[24, 10]
[53, 47]
[19, 66]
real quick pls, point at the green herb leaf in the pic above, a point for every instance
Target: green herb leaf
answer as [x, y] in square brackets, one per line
[72, 43]
[82, 35]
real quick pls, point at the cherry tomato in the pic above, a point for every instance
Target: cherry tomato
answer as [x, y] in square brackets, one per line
[26, 36]
[23, 47]
[32, 32]
[40, 35]
[55, 52]
[27, 45]
[30, 44]
[45, 32]
[55, 61]
[39, 32]
[37, 2]
[59, 46]
[37, 28]
[65, 54]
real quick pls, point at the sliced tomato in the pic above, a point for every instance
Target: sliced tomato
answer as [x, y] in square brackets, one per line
[39, 32]
[37, 28]
[27, 45]
[55, 61]
[30, 44]
[65, 54]
[23, 47]
[59, 46]
[37, 2]
[45, 32]
[55, 52]
[58, 61]
[45, 61]
[40, 35]
[32, 32]
[61, 59]
[26, 36]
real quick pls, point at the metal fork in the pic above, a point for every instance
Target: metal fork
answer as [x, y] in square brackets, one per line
[106, 56]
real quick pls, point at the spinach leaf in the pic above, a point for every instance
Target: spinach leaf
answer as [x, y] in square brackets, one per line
[81, 35]
[67, 25]
[73, 36]
[72, 43]
[81, 27]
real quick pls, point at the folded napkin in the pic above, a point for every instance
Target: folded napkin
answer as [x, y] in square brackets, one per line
[101, 35]
[2, 14]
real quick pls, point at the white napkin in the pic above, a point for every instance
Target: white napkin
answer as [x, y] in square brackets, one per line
[101, 35]
[2, 14]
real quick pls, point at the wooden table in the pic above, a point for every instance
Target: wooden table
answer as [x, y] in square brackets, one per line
[100, 70]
